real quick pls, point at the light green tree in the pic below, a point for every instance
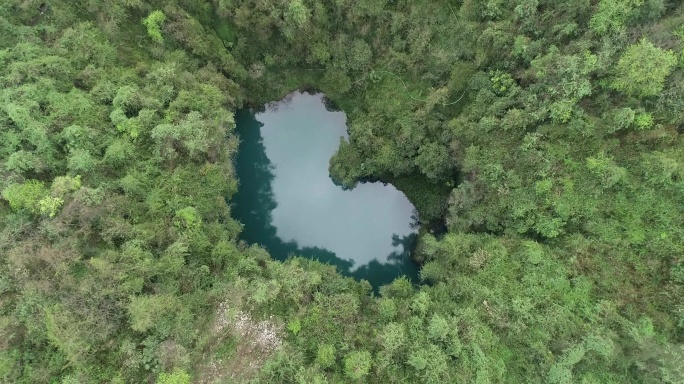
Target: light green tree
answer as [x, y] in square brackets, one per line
[153, 24]
[25, 196]
[146, 311]
[297, 13]
[612, 15]
[178, 376]
[357, 364]
[325, 356]
[642, 69]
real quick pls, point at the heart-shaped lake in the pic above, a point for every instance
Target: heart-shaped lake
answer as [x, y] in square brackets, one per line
[289, 204]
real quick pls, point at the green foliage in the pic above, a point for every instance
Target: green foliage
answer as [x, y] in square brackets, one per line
[178, 376]
[62, 185]
[225, 31]
[393, 337]
[501, 82]
[643, 121]
[325, 356]
[642, 69]
[297, 13]
[562, 199]
[188, 218]
[32, 195]
[360, 54]
[335, 82]
[66, 333]
[357, 364]
[438, 329]
[50, 205]
[434, 161]
[153, 24]
[294, 326]
[147, 311]
[606, 169]
[612, 15]
[27, 195]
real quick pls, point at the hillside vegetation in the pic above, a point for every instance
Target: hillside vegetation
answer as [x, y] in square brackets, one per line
[545, 136]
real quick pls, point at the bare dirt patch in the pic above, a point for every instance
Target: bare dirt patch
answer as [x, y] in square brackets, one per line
[255, 342]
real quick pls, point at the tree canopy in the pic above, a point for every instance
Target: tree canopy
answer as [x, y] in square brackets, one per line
[541, 142]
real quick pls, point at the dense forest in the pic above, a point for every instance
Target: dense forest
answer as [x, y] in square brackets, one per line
[540, 141]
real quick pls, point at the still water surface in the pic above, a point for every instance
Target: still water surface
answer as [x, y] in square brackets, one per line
[289, 204]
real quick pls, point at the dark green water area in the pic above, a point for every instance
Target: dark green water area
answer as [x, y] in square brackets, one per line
[289, 204]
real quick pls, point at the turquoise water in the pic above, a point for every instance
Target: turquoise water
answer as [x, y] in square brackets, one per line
[289, 204]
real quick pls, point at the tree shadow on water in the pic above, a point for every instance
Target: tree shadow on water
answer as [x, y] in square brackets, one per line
[399, 263]
[253, 203]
